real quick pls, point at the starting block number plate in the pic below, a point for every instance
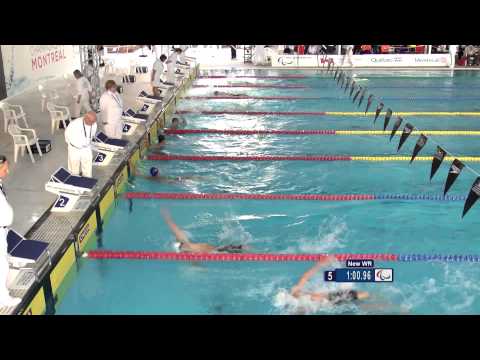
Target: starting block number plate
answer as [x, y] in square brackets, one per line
[100, 158]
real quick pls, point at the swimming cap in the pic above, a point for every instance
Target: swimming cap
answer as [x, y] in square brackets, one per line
[154, 171]
[177, 246]
[161, 138]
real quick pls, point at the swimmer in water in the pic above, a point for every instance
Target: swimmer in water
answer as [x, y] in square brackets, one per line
[183, 243]
[157, 148]
[224, 93]
[155, 176]
[177, 123]
[334, 297]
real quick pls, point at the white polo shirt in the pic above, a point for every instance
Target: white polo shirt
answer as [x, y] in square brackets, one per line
[80, 135]
[83, 87]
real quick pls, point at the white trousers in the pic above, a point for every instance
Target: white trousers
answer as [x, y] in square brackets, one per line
[114, 130]
[80, 159]
[83, 105]
[4, 267]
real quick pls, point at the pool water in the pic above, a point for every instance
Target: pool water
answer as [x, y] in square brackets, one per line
[281, 226]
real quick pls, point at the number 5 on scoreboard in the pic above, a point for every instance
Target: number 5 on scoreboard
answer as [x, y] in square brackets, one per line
[329, 275]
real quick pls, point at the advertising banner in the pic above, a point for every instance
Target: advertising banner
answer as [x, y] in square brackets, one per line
[376, 60]
[25, 66]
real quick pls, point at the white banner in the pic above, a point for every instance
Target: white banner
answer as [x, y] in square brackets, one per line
[27, 65]
[389, 60]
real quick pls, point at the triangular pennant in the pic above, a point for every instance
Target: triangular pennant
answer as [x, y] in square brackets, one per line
[437, 160]
[388, 115]
[336, 73]
[329, 66]
[378, 111]
[352, 88]
[369, 102]
[347, 84]
[453, 172]
[407, 130]
[396, 126]
[421, 142]
[362, 97]
[472, 196]
[343, 80]
[356, 94]
[339, 77]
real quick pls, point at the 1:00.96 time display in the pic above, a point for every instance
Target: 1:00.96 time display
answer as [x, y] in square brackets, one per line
[358, 275]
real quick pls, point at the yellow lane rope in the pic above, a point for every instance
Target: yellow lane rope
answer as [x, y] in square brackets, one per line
[425, 132]
[407, 158]
[414, 113]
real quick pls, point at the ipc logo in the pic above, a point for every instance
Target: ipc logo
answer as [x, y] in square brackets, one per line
[126, 128]
[383, 275]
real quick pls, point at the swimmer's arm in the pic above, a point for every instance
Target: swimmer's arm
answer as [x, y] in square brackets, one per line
[304, 279]
[179, 233]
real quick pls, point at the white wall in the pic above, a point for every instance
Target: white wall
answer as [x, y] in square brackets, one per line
[25, 66]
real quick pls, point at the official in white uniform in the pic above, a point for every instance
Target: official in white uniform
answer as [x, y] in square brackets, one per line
[79, 135]
[111, 109]
[6, 220]
[171, 67]
[158, 75]
[453, 53]
[83, 90]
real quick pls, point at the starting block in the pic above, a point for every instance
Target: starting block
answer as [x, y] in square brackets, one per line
[69, 202]
[129, 128]
[103, 158]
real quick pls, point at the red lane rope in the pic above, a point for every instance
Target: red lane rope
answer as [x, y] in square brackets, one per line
[249, 158]
[250, 132]
[246, 97]
[270, 86]
[292, 113]
[173, 256]
[253, 77]
[233, 196]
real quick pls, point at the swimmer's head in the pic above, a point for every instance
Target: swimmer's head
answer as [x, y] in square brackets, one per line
[175, 121]
[161, 139]
[216, 93]
[154, 171]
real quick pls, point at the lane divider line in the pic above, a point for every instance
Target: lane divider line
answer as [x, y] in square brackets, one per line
[301, 158]
[318, 132]
[313, 197]
[266, 86]
[248, 257]
[328, 113]
[293, 98]
[252, 77]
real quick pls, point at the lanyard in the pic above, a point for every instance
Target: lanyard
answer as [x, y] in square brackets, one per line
[116, 99]
[85, 132]
[3, 191]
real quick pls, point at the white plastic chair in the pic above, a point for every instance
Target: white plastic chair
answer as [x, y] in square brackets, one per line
[51, 95]
[23, 138]
[58, 114]
[12, 113]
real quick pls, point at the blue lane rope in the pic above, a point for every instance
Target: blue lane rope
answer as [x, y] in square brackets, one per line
[435, 197]
[438, 257]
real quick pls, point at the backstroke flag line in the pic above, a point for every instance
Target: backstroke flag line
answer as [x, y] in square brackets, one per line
[455, 170]
[472, 196]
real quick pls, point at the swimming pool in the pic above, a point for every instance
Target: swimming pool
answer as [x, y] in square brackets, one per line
[296, 226]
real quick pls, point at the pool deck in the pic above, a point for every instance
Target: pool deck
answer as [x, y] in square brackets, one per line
[25, 185]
